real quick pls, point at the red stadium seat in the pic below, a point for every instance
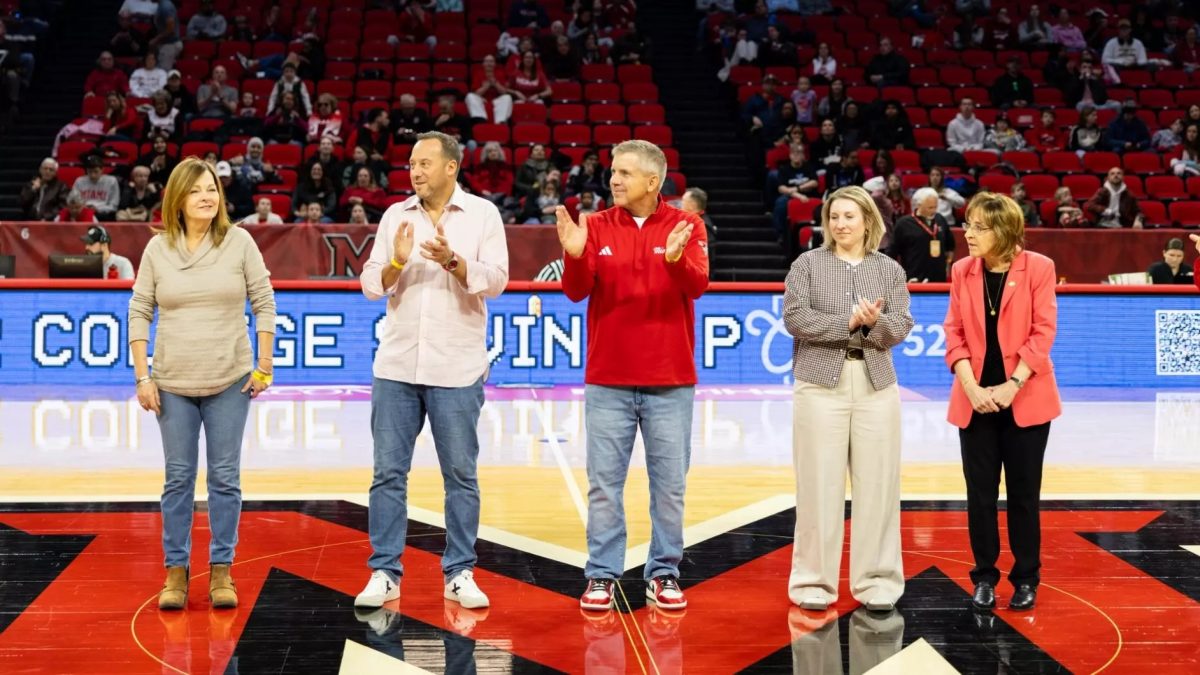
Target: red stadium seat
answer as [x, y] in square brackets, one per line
[1165, 187]
[198, 149]
[1143, 163]
[568, 113]
[597, 72]
[567, 92]
[930, 138]
[634, 73]
[646, 113]
[399, 182]
[529, 113]
[281, 205]
[1185, 213]
[72, 152]
[997, 182]
[640, 92]
[801, 211]
[572, 134]
[658, 134]
[1082, 186]
[602, 92]
[611, 134]
[282, 154]
[1061, 162]
[485, 133]
[1040, 185]
[528, 134]
[981, 158]
[1154, 213]
[1100, 162]
[606, 113]
[1193, 186]
[1023, 161]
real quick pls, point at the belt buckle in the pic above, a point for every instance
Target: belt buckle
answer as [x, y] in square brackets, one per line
[855, 355]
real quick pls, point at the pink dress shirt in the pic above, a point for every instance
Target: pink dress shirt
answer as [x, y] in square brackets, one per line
[435, 332]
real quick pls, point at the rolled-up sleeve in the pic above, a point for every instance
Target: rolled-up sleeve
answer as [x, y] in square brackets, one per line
[371, 278]
[488, 275]
[143, 302]
[258, 288]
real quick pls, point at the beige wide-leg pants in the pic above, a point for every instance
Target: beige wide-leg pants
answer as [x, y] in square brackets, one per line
[850, 426]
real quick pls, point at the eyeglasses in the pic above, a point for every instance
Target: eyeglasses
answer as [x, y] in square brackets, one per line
[976, 228]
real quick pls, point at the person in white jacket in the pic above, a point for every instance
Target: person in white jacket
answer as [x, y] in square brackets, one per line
[965, 132]
[1124, 51]
[148, 79]
[948, 199]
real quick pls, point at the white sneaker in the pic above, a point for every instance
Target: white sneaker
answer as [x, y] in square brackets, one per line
[379, 590]
[463, 589]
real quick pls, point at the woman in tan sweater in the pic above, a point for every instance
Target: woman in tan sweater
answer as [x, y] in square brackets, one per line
[198, 273]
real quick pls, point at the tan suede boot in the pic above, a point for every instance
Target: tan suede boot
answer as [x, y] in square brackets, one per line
[174, 592]
[220, 587]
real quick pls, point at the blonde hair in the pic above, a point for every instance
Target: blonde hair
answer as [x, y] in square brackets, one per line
[650, 156]
[1003, 216]
[175, 195]
[872, 218]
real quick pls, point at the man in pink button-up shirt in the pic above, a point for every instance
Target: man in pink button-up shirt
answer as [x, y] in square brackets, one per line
[431, 360]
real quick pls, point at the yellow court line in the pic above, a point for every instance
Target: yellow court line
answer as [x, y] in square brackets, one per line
[1116, 628]
[649, 654]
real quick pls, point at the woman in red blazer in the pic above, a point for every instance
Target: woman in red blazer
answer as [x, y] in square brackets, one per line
[1196, 238]
[999, 330]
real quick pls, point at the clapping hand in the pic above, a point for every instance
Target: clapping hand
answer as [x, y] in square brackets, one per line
[573, 237]
[865, 313]
[437, 249]
[402, 244]
[1196, 240]
[677, 240]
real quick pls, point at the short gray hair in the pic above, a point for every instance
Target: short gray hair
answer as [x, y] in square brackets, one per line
[650, 156]
[450, 147]
[699, 196]
[922, 194]
[50, 161]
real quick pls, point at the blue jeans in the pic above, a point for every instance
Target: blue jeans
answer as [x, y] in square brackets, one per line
[271, 66]
[612, 416]
[223, 417]
[398, 412]
[781, 215]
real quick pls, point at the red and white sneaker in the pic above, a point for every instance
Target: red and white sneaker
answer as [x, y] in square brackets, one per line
[665, 592]
[599, 595]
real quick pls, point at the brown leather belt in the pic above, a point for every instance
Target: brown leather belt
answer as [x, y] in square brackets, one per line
[854, 355]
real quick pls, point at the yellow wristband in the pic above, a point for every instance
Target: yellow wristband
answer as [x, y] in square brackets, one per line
[397, 264]
[262, 377]
[672, 262]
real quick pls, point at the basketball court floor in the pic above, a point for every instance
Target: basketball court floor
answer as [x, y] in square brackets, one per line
[80, 556]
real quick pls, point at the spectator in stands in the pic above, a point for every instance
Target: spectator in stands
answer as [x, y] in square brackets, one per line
[162, 119]
[582, 24]
[450, 122]
[44, 196]
[239, 202]
[358, 215]
[290, 82]
[892, 130]
[105, 78]
[274, 25]
[762, 109]
[490, 85]
[1113, 206]
[1028, 208]
[1057, 69]
[887, 68]
[776, 50]
[1067, 34]
[1088, 135]
[631, 48]
[1188, 162]
[1066, 212]
[1033, 33]
[1168, 139]
[1001, 33]
[591, 52]
[922, 242]
[826, 151]
[243, 31]
[844, 174]
[805, 100]
[895, 194]
[588, 175]
[563, 62]
[1127, 132]
[948, 199]
[255, 171]
[1171, 269]
[695, 200]
[148, 79]
[410, 119]
[181, 99]
[159, 161]
[1047, 136]
[529, 82]
[139, 198]
[206, 23]
[121, 122]
[247, 120]
[527, 14]
[797, 180]
[743, 51]
[375, 139]
[1171, 36]
[358, 160]
[853, 127]
[531, 173]
[316, 187]
[97, 241]
[1088, 89]
[1187, 51]
[100, 192]
[286, 124]
[1013, 88]
[1002, 138]
[326, 120]
[756, 24]
[364, 192]
[312, 214]
[76, 210]
[969, 33]
[1193, 115]
[326, 156]
[543, 207]
[492, 177]
[1124, 51]
[216, 98]
[263, 215]
[166, 41]
[973, 7]
[834, 102]
[965, 131]
[128, 40]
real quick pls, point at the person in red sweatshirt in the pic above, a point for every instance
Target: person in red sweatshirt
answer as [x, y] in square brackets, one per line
[642, 264]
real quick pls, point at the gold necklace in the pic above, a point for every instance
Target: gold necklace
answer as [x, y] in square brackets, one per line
[988, 292]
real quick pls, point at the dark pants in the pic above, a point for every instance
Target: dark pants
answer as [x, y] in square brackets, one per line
[991, 441]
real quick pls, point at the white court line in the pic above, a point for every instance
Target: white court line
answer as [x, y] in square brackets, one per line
[561, 460]
[918, 657]
[1191, 549]
[357, 659]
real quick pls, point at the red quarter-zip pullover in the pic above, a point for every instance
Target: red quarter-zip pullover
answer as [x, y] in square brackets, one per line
[641, 319]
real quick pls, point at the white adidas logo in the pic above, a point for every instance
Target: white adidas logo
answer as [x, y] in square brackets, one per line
[606, 251]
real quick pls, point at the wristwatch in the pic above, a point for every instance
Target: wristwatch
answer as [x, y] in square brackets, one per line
[453, 264]
[1017, 381]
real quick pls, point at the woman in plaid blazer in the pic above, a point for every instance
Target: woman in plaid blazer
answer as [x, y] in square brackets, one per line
[847, 305]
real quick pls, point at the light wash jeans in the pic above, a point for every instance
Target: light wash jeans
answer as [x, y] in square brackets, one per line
[223, 417]
[612, 416]
[398, 412]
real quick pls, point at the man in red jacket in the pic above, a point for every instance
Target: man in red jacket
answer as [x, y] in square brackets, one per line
[1196, 239]
[643, 263]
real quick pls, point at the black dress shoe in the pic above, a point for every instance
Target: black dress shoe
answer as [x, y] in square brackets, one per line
[985, 595]
[1024, 597]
